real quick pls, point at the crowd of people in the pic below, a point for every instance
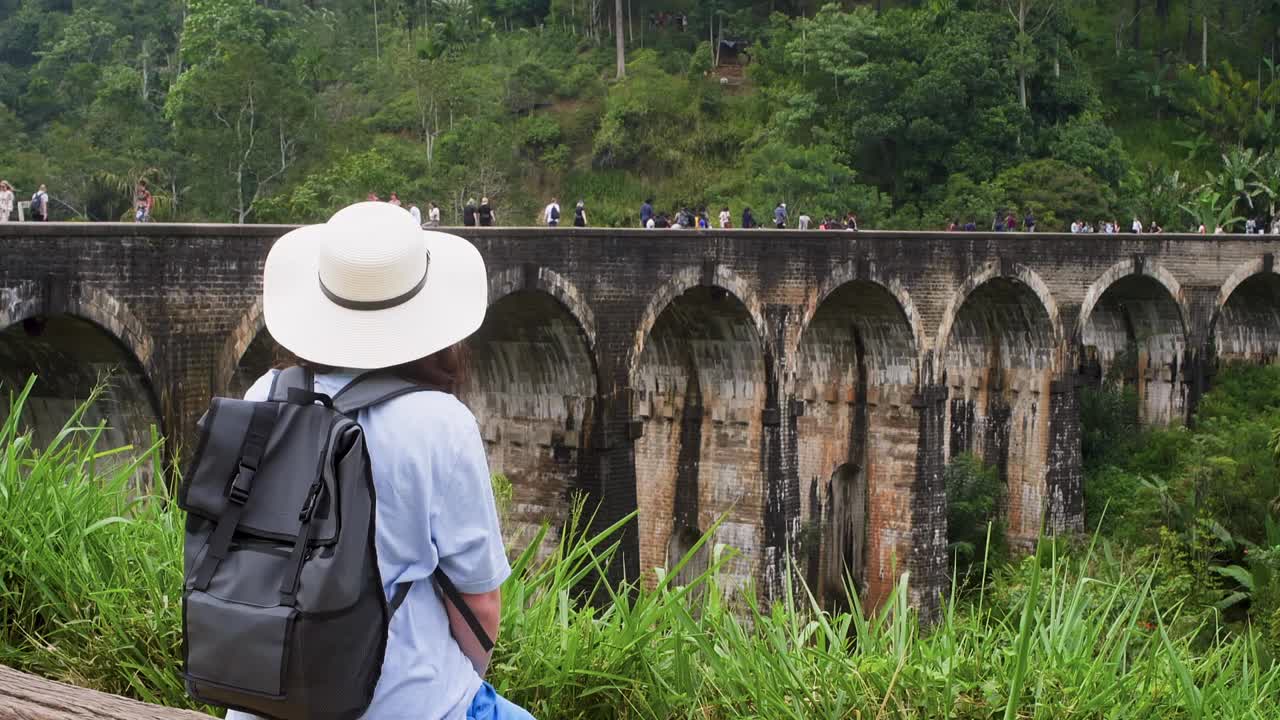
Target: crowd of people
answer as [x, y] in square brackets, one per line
[484, 214]
[688, 219]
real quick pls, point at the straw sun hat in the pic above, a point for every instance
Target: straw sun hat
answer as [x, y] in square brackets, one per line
[370, 289]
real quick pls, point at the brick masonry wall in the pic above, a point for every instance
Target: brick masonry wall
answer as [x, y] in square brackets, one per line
[999, 325]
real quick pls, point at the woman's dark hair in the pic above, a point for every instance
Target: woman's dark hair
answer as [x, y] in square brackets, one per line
[445, 370]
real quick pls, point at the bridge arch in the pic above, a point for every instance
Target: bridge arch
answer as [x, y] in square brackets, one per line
[1132, 331]
[700, 382]
[998, 352]
[533, 384]
[1017, 275]
[1245, 325]
[688, 278]
[92, 336]
[856, 372]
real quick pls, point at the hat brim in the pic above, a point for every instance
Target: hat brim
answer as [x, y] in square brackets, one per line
[450, 307]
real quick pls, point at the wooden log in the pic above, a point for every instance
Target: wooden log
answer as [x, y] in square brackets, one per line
[27, 697]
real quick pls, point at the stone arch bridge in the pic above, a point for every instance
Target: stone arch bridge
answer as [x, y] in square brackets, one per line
[805, 389]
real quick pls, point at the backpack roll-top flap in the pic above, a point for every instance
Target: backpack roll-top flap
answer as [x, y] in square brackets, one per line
[236, 647]
[289, 475]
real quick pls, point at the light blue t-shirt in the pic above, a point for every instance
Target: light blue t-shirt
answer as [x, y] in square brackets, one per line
[435, 506]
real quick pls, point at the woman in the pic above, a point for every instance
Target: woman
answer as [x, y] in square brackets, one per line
[580, 215]
[6, 200]
[485, 213]
[748, 220]
[392, 296]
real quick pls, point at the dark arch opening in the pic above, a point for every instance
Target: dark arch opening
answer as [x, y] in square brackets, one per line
[701, 392]
[256, 360]
[1247, 327]
[69, 357]
[683, 540]
[532, 386]
[856, 374]
[998, 369]
[847, 531]
[1134, 338]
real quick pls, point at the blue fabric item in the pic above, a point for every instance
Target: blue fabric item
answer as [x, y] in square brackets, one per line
[489, 705]
[435, 506]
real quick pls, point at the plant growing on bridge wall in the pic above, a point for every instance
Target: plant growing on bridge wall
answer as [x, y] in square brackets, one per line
[974, 496]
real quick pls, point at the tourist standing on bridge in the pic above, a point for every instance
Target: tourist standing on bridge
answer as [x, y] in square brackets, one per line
[394, 200]
[780, 216]
[646, 212]
[40, 204]
[394, 299]
[433, 215]
[416, 213]
[485, 213]
[748, 220]
[6, 200]
[580, 215]
[469, 213]
[142, 200]
[551, 214]
[726, 219]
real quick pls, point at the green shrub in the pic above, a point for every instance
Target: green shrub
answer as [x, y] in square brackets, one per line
[975, 535]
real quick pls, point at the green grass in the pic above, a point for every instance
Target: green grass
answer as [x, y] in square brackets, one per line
[89, 592]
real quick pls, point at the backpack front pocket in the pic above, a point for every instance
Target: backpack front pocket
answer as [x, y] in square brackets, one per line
[244, 646]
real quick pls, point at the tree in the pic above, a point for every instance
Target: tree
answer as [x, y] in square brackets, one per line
[619, 40]
[240, 106]
[1024, 53]
[243, 115]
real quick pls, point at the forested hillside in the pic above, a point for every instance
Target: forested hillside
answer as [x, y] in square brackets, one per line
[910, 113]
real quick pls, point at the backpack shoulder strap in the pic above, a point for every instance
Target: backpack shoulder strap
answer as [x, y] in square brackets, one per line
[291, 378]
[374, 388]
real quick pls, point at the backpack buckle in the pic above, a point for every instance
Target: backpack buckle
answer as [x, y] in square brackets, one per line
[243, 482]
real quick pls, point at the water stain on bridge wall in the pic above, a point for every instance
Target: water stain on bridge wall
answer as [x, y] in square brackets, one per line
[700, 394]
[1134, 338]
[857, 441]
[998, 365]
[1247, 327]
[532, 386]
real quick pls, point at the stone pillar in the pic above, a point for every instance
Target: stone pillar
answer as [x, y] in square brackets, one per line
[1064, 477]
[928, 563]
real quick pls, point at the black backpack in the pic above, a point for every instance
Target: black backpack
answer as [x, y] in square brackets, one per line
[283, 612]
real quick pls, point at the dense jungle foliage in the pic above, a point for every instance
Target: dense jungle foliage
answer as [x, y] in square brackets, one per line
[911, 113]
[1196, 507]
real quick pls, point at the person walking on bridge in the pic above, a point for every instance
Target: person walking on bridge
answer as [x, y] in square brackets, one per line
[486, 213]
[393, 305]
[142, 201]
[6, 200]
[40, 204]
[780, 216]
